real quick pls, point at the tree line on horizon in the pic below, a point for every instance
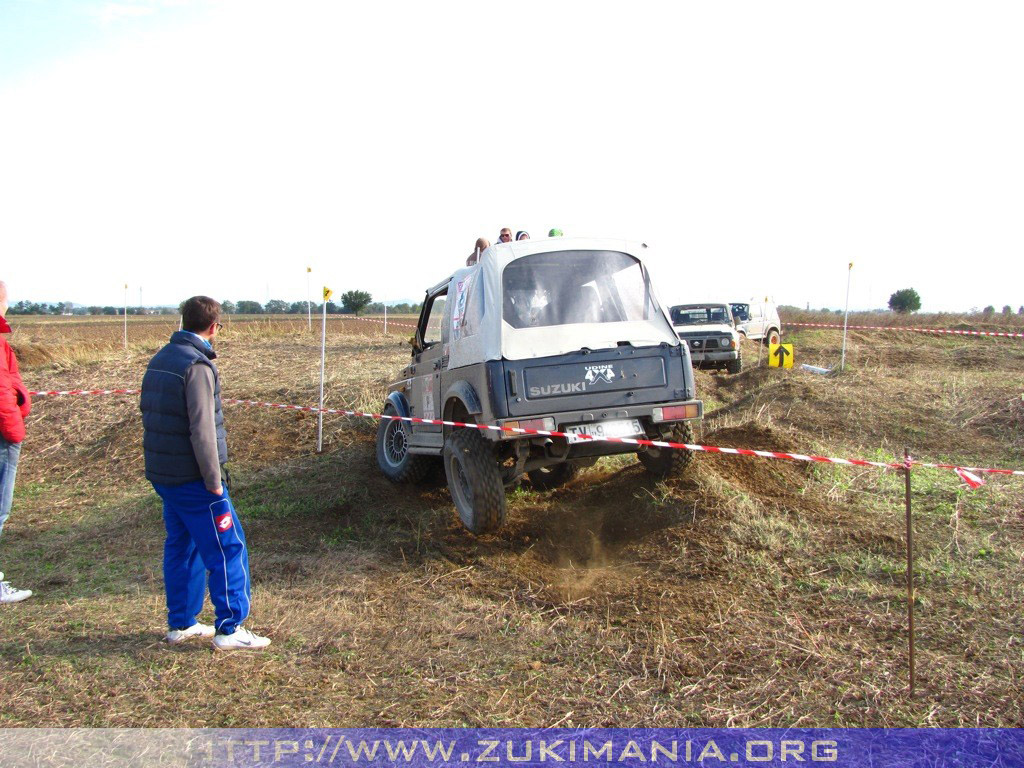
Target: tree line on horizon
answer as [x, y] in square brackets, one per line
[352, 302]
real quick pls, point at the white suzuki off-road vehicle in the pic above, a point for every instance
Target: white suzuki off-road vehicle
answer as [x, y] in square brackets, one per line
[561, 335]
[708, 330]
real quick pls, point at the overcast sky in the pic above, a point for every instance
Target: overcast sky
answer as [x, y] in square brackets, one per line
[223, 147]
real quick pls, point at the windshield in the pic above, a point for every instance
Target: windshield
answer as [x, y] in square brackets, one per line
[699, 314]
[568, 287]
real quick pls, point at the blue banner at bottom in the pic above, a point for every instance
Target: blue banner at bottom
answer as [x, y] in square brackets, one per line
[516, 748]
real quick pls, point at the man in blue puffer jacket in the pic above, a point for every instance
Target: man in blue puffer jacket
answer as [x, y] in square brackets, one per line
[185, 447]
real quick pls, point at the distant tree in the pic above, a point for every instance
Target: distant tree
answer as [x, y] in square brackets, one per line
[227, 307]
[108, 310]
[297, 308]
[905, 300]
[276, 307]
[354, 301]
[95, 310]
[250, 308]
[1007, 310]
[332, 308]
[989, 310]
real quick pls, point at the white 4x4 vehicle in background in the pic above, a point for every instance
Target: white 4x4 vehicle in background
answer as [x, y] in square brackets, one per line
[758, 320]
[707, 329]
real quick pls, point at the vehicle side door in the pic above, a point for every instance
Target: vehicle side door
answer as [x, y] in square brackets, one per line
[755, 326]
[431, 344]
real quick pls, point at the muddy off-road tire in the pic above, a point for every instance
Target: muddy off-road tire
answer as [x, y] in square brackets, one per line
[474, 480]
[669, 462]
[734, 366]
[393, 457]
[549, 478]
[772, 337]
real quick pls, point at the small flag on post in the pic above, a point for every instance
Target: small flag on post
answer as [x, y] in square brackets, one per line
[327, 293]
[309, 269]
[973, 481]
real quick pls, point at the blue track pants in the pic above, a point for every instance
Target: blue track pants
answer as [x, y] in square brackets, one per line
[204, 539]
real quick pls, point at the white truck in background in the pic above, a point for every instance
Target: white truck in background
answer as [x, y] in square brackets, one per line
[758, 320]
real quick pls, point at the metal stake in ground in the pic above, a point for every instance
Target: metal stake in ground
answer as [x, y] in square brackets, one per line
[323, 360]
[910, 567]
[309, 304]
[846, 317]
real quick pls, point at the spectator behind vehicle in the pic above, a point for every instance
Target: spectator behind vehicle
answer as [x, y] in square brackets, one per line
[522, 235]
[554, 233]
[482, 244]
[505, 236]
[15, 405]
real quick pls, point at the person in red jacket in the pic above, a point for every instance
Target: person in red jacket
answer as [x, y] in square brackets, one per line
[15, 405]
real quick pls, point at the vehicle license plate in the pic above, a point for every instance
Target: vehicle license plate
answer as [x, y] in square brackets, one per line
[621, 428]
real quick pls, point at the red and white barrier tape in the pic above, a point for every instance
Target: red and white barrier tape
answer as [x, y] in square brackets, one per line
[915, 330]
[546, 433]
[55, 392]
[376, 320]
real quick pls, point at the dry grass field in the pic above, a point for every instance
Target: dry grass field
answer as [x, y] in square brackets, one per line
[750, 593]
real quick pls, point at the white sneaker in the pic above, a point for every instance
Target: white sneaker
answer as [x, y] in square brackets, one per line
[240, 640]
[175, 636]
[9, 594]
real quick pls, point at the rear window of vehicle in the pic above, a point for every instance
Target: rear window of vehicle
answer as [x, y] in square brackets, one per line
[566, 287]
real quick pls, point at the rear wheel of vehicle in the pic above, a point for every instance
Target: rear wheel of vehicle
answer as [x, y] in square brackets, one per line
[734, 366]
[474, 480]
[393, 457]
[773, 336]
[669, 462]
[549, 478]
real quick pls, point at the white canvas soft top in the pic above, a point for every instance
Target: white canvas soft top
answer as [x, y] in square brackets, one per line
[477, 331]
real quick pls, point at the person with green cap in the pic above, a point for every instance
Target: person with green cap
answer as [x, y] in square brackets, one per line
[554, 233]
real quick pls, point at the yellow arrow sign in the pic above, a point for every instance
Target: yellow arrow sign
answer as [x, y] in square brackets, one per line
[780, 355]
[327, 293]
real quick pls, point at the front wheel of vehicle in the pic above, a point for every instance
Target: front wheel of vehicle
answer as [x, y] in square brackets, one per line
[549, 478]
[393, 456]
[734, 366]
[773, 337]
[669, 462]
[474, 480]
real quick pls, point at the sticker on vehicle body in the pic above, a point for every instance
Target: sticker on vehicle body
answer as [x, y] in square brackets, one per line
[459, 310]
[599, 373]
[428, 397]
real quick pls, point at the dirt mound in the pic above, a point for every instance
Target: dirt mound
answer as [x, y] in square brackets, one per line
[31, 355]
[1001, 418]
[776, 482]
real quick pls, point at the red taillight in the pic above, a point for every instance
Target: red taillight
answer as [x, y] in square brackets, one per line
[545, 423]
[677, 412]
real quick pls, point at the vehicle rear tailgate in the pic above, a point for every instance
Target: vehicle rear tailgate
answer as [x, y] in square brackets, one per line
[617, 377]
